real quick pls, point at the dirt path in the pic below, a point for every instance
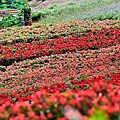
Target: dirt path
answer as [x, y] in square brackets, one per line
[41, 5]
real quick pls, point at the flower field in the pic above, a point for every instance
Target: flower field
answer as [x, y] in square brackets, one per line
[68, 71]
[37, 31]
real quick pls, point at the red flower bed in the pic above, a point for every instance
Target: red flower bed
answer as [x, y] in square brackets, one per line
[42, 106]
[94, 40]
[48, 70]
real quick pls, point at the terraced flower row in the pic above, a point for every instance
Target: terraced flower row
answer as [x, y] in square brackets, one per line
[48, 70]
[52, 31]
[94, 40]
[64, 106]
[74, 85]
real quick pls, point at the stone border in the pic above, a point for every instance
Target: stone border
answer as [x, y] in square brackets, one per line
[11, 11]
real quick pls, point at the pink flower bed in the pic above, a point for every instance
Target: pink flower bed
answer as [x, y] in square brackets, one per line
[75, 85]
[48, 70]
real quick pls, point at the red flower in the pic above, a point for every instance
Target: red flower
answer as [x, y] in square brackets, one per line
[49, 115]
[62, 100]
[63, 118]
[31, 114]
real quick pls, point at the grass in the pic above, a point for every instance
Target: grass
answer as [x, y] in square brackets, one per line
[72, 11]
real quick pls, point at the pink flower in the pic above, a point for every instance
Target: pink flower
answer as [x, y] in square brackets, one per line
[31, 114]
[91, 111]
[62, 100]
[63, 118]
[42, 117]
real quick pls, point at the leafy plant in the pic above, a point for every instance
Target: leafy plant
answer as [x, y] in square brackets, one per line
[99, 115]
[3, 68]
[27, 11]
[9, 20]
[12, 4]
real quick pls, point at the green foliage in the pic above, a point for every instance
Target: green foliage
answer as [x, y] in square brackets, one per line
[81, 77]
[3, 68]
[110, 16]
[115, 116]
[3, 42]
[27, 11]
[99, 115]
[12, 4]
[2, 85]
[9, 20]
[53, 10]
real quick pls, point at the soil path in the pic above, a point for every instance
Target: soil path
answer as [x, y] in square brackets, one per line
[45, 4]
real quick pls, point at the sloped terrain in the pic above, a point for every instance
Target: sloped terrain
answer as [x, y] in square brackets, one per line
[37, 5]
[64, 71]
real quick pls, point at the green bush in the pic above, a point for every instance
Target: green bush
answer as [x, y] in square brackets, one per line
[12, 4]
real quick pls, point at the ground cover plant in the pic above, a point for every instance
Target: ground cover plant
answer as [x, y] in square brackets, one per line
[67, 71]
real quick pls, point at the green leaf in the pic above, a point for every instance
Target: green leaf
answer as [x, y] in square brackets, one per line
[99, 115]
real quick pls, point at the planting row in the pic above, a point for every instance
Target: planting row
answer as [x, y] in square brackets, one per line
[96, 101]
[52, 69]
[94, 40]
[74, 85]
[52, 31]
[104, 33]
